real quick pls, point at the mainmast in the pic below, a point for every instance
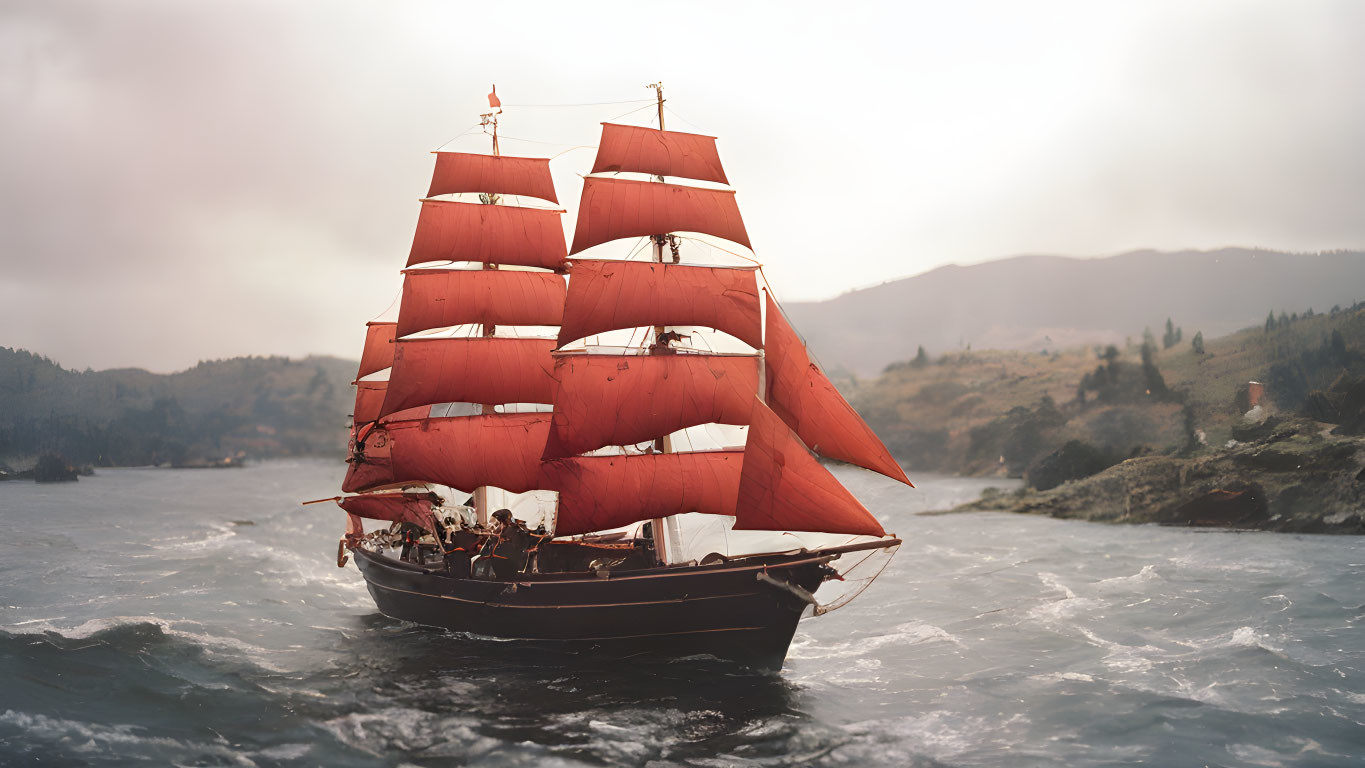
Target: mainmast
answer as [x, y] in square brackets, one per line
[481, 511]
[663, 444]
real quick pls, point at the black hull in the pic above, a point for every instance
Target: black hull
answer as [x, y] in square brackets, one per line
[723, 610]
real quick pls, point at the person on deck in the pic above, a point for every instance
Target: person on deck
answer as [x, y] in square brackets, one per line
[458, 546]
[509, 552]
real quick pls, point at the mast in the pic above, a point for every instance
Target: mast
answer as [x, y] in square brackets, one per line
[481, 511]
[663, 444]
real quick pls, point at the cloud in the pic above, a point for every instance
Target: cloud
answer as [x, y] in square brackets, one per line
[196, 180]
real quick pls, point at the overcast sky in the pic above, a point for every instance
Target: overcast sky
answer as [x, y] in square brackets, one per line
[194, 180]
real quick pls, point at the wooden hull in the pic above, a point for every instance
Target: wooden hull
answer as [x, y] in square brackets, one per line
[724, 610]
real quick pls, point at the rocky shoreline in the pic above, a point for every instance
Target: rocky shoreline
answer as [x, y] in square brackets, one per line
[1292, 476]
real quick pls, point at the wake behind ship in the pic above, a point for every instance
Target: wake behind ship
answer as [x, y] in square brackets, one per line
[539, 427]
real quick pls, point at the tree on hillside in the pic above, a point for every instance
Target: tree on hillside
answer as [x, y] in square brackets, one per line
[921, 358]
[1270, 322]
[1156, 384]
[1169, 339]
[1198, 343]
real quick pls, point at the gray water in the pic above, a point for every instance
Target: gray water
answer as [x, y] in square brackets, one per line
[140, 625]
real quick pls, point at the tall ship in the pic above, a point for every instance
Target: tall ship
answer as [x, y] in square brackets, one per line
[618, 452]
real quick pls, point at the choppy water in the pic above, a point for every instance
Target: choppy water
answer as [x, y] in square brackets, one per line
[138, 624]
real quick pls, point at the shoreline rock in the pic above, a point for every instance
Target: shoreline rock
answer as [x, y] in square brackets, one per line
[1297, 477]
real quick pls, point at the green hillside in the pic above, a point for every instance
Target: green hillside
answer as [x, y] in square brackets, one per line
[1000, 412]
[253, 407]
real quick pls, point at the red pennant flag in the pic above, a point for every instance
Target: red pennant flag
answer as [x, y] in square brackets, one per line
[493, 100]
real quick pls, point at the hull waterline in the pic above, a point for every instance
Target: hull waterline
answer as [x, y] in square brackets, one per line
[723, 610]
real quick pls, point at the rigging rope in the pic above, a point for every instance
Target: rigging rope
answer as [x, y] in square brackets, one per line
[586, 104]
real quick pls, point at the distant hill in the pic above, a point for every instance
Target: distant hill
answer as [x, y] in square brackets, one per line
[249, 406]
[1049, 302]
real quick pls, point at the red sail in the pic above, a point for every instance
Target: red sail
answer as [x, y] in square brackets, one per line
[439, 298]
[499, 174]
[498, 234]
[784, 488]
[801, 394]
[635, 149]
[609, 295]
[369, 398]
[378, 352]
[464, 452]
[600, 492]
[622, 400]
[611, 209]
[396, 507]
[487, 370]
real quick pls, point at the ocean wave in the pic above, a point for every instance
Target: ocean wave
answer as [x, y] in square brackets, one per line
[909, 633]
[139, 634]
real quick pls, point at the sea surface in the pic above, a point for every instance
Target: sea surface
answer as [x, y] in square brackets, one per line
[197, 617]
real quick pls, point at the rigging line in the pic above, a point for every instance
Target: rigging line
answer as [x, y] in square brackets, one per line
[633, 111]
[532, 141]
[680, 117]
[570, 149]
[589, 104]
[717, 247]
[467, 131]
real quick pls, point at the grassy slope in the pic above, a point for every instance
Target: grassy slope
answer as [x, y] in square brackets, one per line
[928, 415]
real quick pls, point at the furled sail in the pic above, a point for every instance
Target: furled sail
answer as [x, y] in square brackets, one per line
[611, 209]
[600, 492]
[488, 370]
[465, 452]
[626, 399]
[378, 352]
[636, 149]
[784, 488]
[439, 298]
[395, 507]
[498, 174]
[500, 234]
[609, 295]
[800, 393]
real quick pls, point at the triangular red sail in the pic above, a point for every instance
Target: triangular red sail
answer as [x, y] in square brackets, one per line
[800, 393]
[498, 174]
[636, 149]
[439, 298]
[626, 399]
[610, 295]
[464, 452]
[498, 234]
[396, 507]
[600, 492]
[487, 370]
[784, 488]
[611, 209]
[378, 352]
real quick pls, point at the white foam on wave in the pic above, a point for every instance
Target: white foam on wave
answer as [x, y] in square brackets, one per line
[206, 642]
[909, 633]
[129, 740]
[1139, 579]
[1063, 677]
[383, 732]
[941, 735]
[1248, 637]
